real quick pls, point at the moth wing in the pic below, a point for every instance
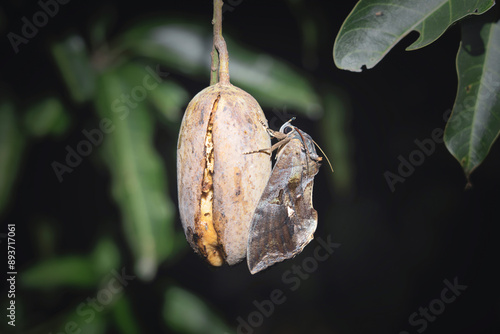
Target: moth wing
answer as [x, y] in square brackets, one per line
[284, 220]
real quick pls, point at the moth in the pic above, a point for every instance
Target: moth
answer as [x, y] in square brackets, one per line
[285, 220]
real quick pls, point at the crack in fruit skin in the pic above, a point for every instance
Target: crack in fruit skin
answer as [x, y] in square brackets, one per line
[208, 240]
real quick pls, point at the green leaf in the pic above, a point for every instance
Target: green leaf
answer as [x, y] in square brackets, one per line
[272, 82]
[375, 26]
[46, 117]
[96, 326]
[44, 233]
[338, 141]
[170, 99]
[105, 256]
[475, 121]
[186, 48]
[103, 20]
[138, 176]
[84, 321]
[76, 271]
[181, 47]
[186, 313]
[124, 316]
[72, 57]
[12, 146]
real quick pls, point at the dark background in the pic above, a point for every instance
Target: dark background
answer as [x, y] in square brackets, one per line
[397, 247]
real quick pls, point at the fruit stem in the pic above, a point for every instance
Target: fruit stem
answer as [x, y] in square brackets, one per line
[214, 69]
[220, 57]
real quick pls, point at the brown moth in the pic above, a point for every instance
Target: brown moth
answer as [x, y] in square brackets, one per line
[284, 220]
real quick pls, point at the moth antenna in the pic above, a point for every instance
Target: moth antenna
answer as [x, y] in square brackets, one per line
[328, 160]
[289, 122]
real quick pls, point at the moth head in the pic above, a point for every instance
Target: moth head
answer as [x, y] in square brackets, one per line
[287, 127]
[306, 140]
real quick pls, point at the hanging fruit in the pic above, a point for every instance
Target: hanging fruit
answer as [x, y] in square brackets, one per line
[219, 185]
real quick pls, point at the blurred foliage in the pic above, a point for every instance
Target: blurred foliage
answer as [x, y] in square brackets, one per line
[72, 57]
[12, 144]
[335, 128]
[185, 48]
[138, 176]
[46, 117]
[187, 313]
[73, 270]
[124, 317]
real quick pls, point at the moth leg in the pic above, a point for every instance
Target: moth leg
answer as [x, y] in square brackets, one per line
[263, 150]
[283, 139]
[268, 151]
[281, 143]
[276, 134]
[263, 124]
[268, 130]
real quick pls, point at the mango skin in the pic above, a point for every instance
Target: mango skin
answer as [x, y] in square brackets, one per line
[238, 178]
